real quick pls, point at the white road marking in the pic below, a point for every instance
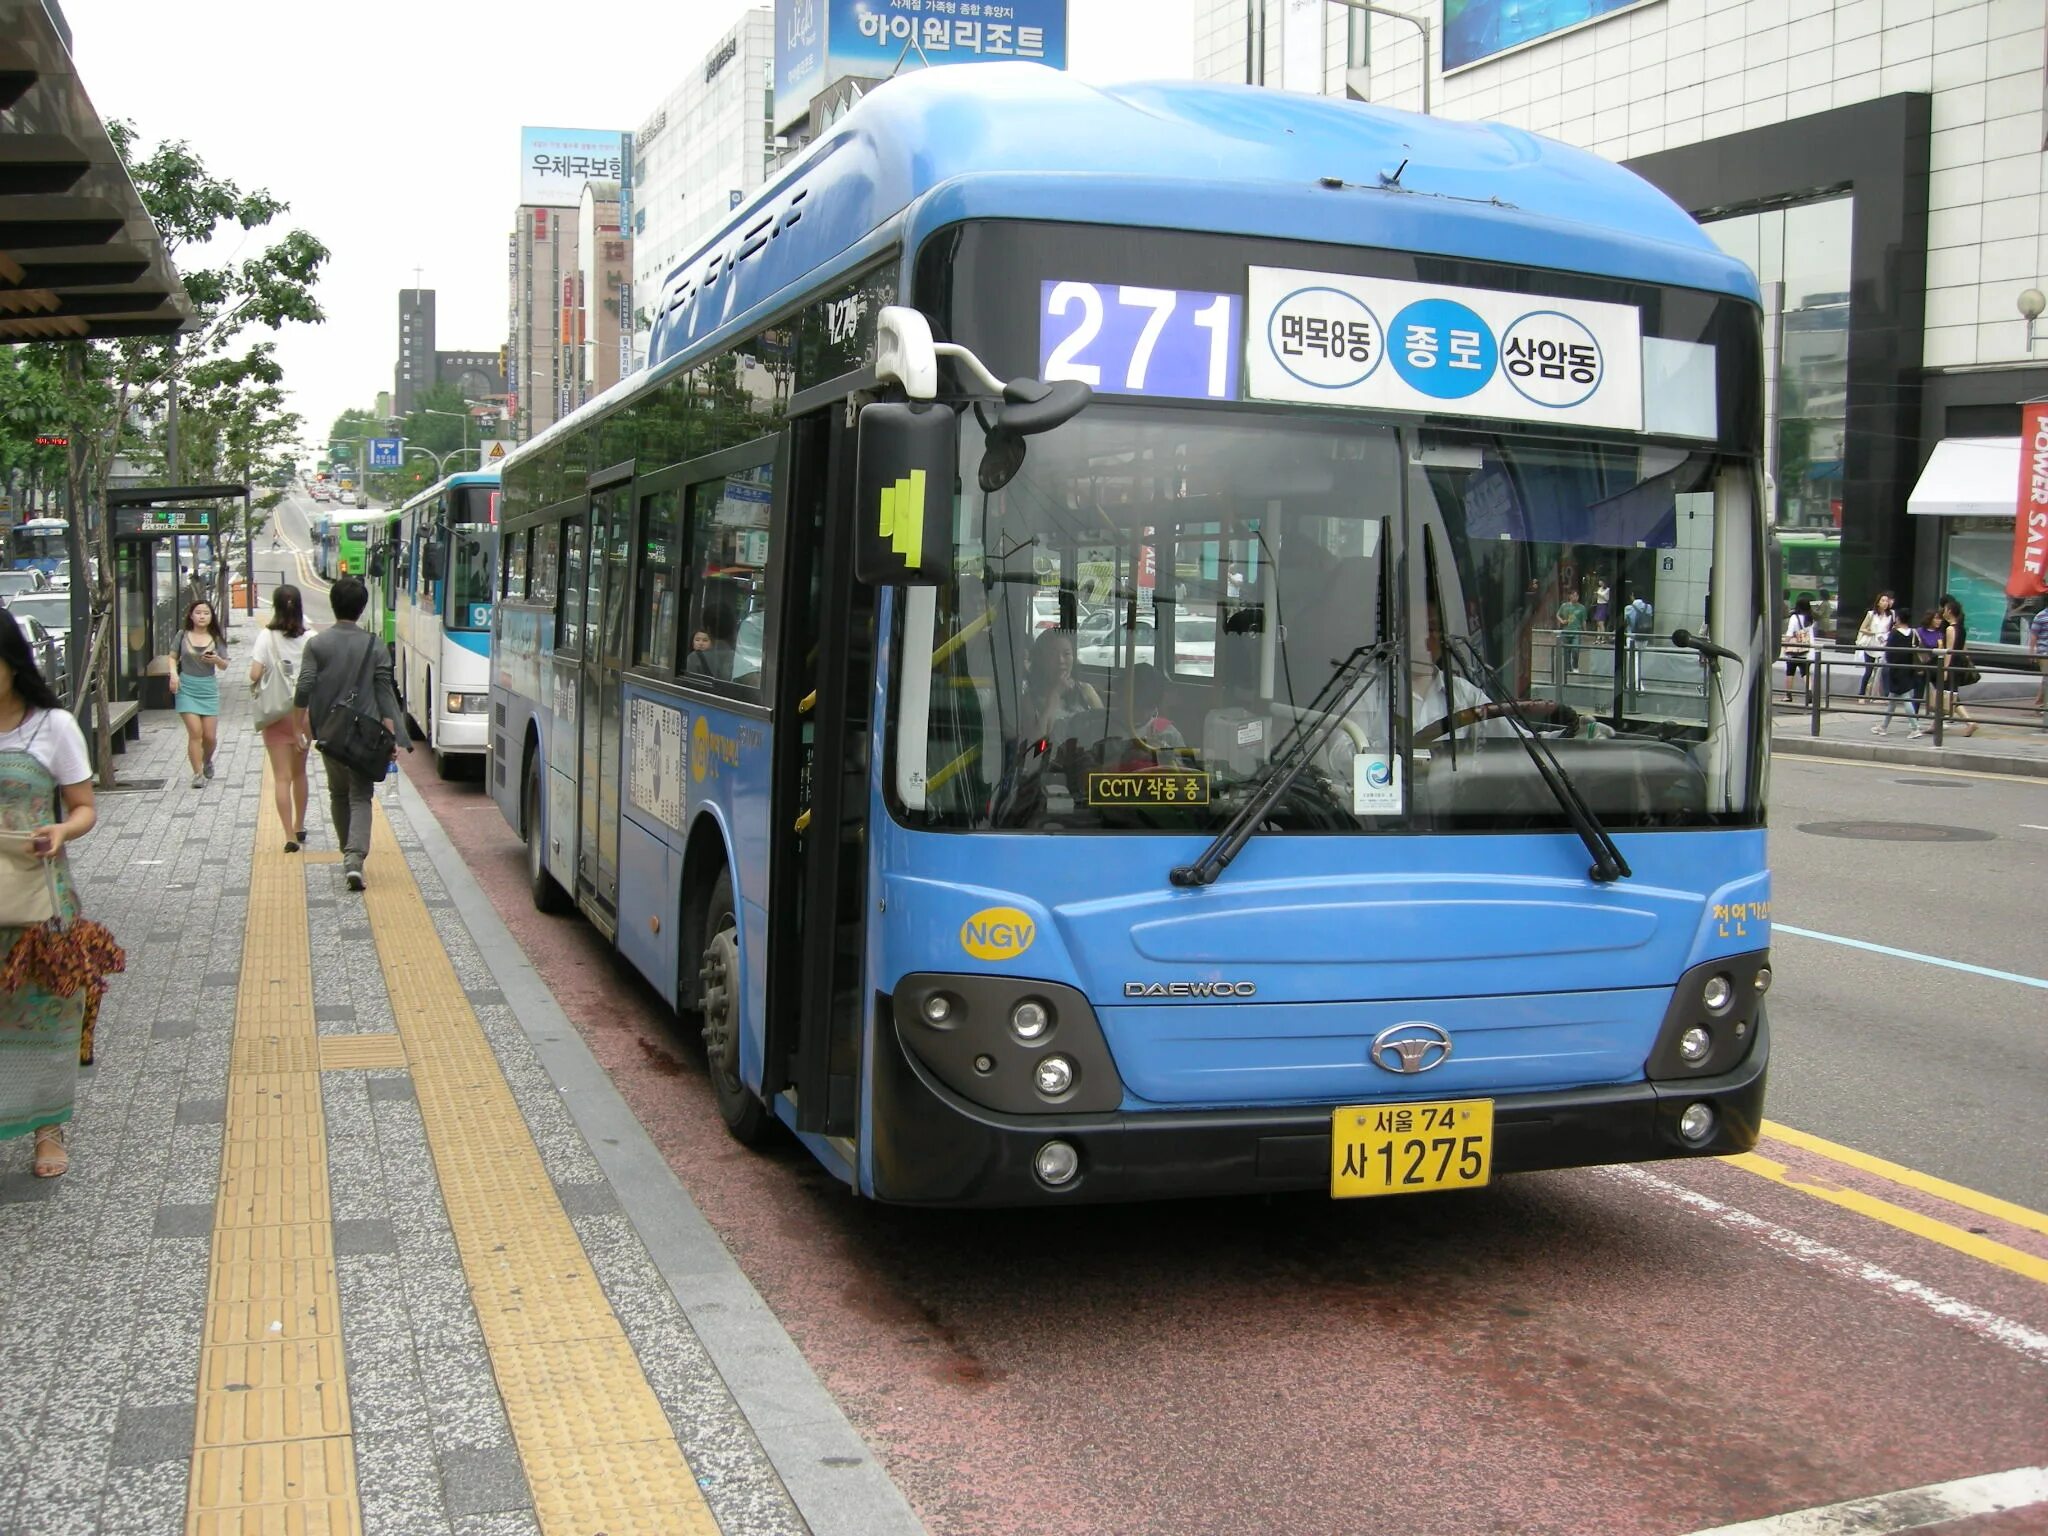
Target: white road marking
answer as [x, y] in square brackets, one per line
[2031, 827]
[1910, 1509]
[1987, 1325]
[1913, 954]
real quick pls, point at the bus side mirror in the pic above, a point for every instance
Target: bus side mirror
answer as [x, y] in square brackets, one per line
[905, 465]
[433, 565]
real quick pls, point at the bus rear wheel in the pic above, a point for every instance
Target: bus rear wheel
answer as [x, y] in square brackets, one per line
[745, 1116]
[547, 893]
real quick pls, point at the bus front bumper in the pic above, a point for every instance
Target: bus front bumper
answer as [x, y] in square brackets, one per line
[931, 1147]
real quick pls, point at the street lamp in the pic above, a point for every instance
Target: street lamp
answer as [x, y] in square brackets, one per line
[428, 410]
[440, 459]
[1420, 22]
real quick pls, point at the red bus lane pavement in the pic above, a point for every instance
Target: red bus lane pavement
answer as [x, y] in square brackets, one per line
[1668, 1349]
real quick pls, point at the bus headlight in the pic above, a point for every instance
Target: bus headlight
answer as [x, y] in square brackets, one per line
[466, 703]
[1054, 1076]
[1717, 994]
[1030, 1019]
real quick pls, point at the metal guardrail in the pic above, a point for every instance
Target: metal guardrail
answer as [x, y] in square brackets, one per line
[2013, 705]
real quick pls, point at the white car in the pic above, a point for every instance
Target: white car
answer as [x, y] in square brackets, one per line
[1194, 642]
[14, 583]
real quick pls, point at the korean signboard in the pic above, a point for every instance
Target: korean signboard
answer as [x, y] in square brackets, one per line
[1478, 29]
[554, 163]
[821, 42]
[1322, 338]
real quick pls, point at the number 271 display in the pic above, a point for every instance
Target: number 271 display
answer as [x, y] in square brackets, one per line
[1123, 339]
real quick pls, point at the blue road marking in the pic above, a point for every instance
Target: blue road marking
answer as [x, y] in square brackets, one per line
[1908, 954]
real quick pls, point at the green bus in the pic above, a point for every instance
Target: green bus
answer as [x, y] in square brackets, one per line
[1812, 563]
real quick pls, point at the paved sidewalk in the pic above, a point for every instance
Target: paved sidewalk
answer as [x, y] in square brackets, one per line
[1995, 748]
[335, 1250]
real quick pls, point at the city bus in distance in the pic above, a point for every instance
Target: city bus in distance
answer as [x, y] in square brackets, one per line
[1364, 884]
[445, 543]
[1812, 559]
[341, 543]
[38, 544]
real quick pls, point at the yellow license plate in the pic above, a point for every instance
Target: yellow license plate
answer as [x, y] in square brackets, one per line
[1404, 1149]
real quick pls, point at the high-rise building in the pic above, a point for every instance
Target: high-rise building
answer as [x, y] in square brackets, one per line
[701, 153]
[1881, 169]
[540, 367]
[475, 374]
[604, 289]
[415, 346]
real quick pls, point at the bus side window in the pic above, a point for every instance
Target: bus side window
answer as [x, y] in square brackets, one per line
[569, 631]
[654, 607]
[547, 559]
[514, 574]
[729, 533]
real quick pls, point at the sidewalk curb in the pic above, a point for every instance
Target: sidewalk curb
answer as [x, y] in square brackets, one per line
[1910, 756]
[836, 1481]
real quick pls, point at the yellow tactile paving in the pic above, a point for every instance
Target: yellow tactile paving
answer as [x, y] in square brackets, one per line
[341, 1052]
[598, 1452]
[272, 1452]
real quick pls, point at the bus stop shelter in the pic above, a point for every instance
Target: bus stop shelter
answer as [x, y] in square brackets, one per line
[152, 527]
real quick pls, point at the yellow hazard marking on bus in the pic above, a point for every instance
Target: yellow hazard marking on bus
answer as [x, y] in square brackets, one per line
[273, 1448]
[1984, 1249]
[1912, 1178]
[903, 517]
[598, 1451]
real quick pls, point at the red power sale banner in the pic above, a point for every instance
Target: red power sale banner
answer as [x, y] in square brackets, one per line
[2029, 576]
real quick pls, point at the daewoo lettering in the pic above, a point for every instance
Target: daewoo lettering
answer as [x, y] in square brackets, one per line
[1190, 988]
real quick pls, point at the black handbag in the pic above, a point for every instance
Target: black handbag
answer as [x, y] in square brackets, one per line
[359, 741]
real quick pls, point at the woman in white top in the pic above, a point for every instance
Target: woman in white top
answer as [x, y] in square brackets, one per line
[1871, 636]
[46, 797]
[282, 644]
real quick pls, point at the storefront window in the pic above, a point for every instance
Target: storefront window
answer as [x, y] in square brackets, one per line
[1800, 255]
[1976, 560]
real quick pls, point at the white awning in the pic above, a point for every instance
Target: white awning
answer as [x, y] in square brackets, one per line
[1969, 477]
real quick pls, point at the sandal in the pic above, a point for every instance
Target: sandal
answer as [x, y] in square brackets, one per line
[51, 1157]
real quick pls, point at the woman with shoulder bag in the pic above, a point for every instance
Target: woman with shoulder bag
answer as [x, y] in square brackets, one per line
[202, 656]
[274, 672]
[1871, 635]
[52, 969]
[1957, 670]
[1798, 645]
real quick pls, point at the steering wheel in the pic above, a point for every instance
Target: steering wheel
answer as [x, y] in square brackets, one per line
[1554, 712]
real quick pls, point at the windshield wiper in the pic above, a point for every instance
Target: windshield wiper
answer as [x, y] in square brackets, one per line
[1608, 863]
[1295, 753]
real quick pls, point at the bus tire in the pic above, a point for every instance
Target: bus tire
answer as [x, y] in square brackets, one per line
[547, 893]
[745, 1116]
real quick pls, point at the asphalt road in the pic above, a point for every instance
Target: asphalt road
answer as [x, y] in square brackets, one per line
[1941, 1069]
[1578, 1353]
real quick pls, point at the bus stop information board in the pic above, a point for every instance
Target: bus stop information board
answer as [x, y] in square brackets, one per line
[163, 520]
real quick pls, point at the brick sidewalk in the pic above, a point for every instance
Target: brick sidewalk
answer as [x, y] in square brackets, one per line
[118, 1280]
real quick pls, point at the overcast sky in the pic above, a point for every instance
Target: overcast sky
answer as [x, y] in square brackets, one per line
[392, 128]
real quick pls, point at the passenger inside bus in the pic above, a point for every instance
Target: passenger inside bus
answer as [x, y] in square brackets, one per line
[1051, 691]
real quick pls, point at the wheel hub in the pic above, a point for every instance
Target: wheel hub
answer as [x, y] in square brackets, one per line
[720, 968]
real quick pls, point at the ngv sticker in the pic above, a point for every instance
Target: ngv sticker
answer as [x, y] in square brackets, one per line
[997, 933]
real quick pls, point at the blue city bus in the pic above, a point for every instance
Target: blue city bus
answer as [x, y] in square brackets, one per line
[440, 555]
[39, 544]
[827, 680]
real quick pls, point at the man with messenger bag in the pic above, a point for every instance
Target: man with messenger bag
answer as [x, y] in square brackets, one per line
[348, 706]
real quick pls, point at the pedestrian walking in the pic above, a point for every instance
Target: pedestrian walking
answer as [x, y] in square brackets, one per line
[280, 653]
[1571, 623]
[1798, 645]
[51, 971]
[195, 677]
[1871, 636]
[1601, 594]
[346, 671]
[1903, 676]
[1957, 670]
[2037, 644]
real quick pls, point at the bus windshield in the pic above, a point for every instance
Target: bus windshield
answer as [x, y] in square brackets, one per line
[1515, 582]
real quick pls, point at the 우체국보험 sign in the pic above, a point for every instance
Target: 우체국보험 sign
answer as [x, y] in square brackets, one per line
[1323, 338]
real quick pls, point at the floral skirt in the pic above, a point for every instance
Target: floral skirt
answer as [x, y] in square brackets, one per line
[39, 1051]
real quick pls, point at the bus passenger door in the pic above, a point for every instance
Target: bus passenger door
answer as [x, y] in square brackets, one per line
[824, 682]
[608, 541]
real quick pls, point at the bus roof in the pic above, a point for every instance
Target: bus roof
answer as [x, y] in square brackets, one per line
[449, 482]
[1023, 141]
[1026, 141]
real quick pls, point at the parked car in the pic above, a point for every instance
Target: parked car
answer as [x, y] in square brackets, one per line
[14, 583]
[52, 610]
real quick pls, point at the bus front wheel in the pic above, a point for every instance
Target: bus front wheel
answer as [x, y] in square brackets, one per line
[548, 895]
[744, 1114]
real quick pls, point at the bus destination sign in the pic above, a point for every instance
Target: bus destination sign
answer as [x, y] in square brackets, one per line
[165, 520]
[1327, 338]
